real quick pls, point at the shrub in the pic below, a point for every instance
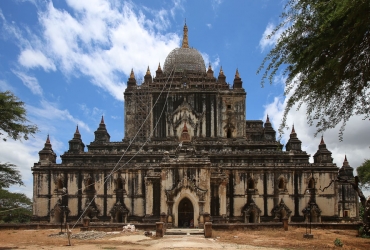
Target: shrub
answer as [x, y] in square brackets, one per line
[338, 242]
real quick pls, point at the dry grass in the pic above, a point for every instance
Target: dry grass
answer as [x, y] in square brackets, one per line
[278, 238]
[293, 239]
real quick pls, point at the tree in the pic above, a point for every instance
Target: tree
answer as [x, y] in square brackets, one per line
[14, 207]
[13, 121]
[324, 49]
[363, 173]
[9, 175]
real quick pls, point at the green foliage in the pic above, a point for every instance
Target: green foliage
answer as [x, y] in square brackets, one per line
[13, 118]
[338, 242]
[14, 207]
[325, 49]
[363, 173]
[9, 175]
[361, 211]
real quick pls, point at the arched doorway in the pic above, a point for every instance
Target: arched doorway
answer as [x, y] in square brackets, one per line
[186, 213]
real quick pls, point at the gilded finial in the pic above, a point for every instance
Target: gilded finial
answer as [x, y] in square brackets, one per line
[237, 73]
[148, 71]
[185, 39]
[221, 71]
[132, 75]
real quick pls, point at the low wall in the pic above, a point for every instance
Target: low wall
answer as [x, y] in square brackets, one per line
[31, 226]
[260, 226]
[151, 226]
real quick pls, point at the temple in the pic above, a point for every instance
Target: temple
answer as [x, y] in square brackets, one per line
[187, 151]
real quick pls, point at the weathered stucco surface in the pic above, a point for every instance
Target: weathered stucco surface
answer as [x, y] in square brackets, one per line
[187, 140]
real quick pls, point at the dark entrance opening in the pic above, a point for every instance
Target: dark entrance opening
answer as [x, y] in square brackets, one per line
[119, 217]
[252, 217]
[186, 213]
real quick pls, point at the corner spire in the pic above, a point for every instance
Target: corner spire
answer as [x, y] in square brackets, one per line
[185, 39]
[148, 71]
[221, 71]
[47, 155]
[77, 134]
[267, 119]
[132, 74]
[322, 140]
[345, 162]
[237, 73]
[102, 120]
[293, 130]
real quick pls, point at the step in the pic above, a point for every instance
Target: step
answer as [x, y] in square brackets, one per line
[184, 231]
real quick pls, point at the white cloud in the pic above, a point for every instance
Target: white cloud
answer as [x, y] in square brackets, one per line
[30, 82]
[177, 5]
[32, 59]
[48, 111]
[216, 4]
[209, 25]
[267, 43]
[355, 142]
[23, 154]
[4, 86]
[104, 42]
[214, 63]
[91, 112]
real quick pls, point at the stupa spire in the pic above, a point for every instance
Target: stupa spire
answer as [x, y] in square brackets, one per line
[185, 39]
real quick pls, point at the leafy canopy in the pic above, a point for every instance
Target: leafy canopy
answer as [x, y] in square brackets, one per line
[14, 207]
[9, 175]
[324, 49]
[363, 173]
[13, 121]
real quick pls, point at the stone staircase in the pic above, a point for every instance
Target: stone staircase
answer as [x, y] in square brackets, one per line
[184, 231]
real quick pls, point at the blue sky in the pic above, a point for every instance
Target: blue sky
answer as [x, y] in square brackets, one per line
[69, 61]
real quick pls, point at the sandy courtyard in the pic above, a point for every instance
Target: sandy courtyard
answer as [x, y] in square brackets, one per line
[246, 239]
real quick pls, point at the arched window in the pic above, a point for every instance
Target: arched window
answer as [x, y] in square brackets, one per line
[90, 185]
[119, 184]
[229, 134]
[251, 184]
[311, 183]
[59, 184]
[281, 183]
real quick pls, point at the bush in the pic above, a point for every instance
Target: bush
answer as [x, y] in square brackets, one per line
[338, 242]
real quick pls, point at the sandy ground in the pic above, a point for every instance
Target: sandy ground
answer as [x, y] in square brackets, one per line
[246, 239]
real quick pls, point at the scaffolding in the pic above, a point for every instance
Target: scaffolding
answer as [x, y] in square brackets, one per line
[141, 99]
[184, 59]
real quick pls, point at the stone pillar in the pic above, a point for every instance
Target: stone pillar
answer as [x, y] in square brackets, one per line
[86, 221]
[201, 217]
[208, 230]
[222, 197]
[148, 197]
[170, 216]
[207, 217]
[285, 223]
[159, 230]
[163, 218]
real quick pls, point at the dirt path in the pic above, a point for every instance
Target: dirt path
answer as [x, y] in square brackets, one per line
[246, 239]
